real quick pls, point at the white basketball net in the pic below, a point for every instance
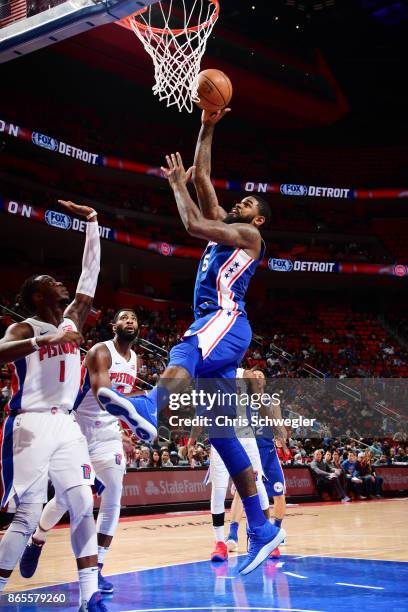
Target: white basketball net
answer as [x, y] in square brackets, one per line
[176, 53]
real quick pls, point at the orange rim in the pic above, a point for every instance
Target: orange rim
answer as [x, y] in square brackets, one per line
[133, 22]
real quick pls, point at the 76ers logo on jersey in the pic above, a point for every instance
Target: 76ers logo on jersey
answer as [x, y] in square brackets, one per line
[118, 458]
[87, 470]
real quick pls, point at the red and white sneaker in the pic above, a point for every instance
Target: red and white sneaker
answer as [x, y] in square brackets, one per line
[220, 553]
[275, 554]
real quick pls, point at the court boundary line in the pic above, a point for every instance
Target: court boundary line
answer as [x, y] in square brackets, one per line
[146, 569]
[211, 608]
[340, 557]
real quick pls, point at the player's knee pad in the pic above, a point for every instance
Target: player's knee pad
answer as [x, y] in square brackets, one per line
[79, 502]
[218, 499]
[232, 453]
[109, 510]
[26, 518]
[52, 514]
[16, 537]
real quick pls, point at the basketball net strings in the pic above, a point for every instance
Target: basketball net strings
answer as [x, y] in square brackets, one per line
[177, 56]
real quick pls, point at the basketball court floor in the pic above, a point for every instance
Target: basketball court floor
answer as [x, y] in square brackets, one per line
[351, 556]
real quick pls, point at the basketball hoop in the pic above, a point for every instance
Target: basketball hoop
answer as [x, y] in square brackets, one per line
[176, 51]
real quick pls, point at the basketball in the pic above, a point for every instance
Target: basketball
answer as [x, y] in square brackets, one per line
[214, 90]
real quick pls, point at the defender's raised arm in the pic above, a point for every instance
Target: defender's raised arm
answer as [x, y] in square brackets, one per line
[78, 309]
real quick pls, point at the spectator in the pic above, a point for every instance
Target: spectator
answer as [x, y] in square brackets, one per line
[144, 456]
[174, 458]
[372, 484]
[165, 459]
[137, 458]
[199, 457]
[382, 460]
[183, 456]
[300, 448]
[155, 460]
[400, 456]
[353, 480]
[284, 454]
[336, 462]
[327, 458]
[128, 449]
[326, 477]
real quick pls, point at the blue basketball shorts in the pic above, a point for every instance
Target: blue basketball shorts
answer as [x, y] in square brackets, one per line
[211, 351]
[273, 472]
[214, 345]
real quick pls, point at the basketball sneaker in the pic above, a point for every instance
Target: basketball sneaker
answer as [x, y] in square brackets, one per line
[275, 554]
[220, 553]
[133, 412]
[262, 541]
[95, 604]
[30, 558]
[105, 587]
[232, 538]
[232, 543]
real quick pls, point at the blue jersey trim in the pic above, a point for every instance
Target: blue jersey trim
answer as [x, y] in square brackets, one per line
[86, 385]
[21, 372]
[7, 458]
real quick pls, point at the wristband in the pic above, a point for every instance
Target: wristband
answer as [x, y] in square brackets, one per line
[91, 215]
[34, 344]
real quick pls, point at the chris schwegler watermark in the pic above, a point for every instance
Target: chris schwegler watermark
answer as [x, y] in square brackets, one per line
[248, 407]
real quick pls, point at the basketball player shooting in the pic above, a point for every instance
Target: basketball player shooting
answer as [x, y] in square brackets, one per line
[112, 363]
[40, 439]
[216, 342]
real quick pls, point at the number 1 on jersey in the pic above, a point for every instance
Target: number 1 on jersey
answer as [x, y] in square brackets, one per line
[62, 371]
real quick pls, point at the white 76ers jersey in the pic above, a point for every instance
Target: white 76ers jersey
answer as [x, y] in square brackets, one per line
[123, 376]
[49, 377]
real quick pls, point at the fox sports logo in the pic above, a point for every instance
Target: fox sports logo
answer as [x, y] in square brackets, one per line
[293, 190]
[58, 219]
[280, 265]
[44, 141]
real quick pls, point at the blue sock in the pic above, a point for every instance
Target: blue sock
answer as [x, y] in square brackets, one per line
[278, 522]
[253, 511]
[233, 531]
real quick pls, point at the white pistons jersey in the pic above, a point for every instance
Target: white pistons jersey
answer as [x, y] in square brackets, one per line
[49, 377]
[123, 377]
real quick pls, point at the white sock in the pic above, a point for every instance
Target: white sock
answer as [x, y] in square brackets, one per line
[88, 582]
[40, 535]
[219, 533]
[102, 554]
[3, 582]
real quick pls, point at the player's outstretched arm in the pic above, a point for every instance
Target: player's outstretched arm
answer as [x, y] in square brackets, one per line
[18, 341]
[207, 197]
[98, 362]
[240, 235]
[78, 309]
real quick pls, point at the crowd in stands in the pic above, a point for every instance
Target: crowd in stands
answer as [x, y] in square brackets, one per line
[343, 468]
[308, 348]
[325, 342]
